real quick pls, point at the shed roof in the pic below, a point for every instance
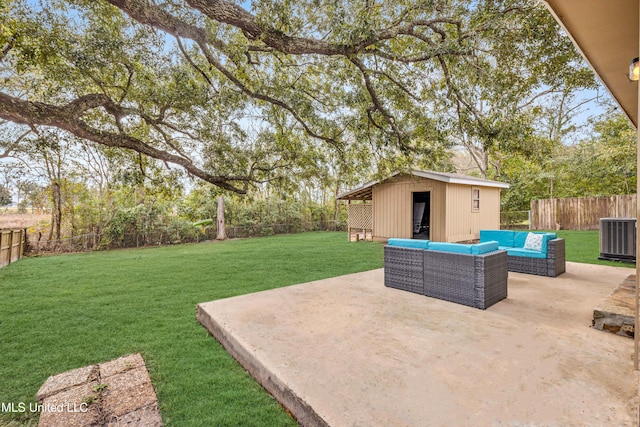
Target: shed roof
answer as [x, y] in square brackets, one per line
[365, 192]
[606, 34]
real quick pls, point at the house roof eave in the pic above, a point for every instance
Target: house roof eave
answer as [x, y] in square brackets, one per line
[606, 35]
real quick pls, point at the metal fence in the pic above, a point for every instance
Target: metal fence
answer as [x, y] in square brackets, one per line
[96, 241]
[515, 220]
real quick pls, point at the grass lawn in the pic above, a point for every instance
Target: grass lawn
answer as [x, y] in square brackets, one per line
[584, 246]
[63, 312]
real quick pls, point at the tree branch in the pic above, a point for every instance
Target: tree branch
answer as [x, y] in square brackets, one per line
[194, 65]
[378, 104]
[227, 12]
[398, 84]
[7, 48]
[8, 151]
[67, 118]
[147, 13]
[459, 98]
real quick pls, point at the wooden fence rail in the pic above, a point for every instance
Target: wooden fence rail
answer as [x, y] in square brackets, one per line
[11, 245]
[582, 213]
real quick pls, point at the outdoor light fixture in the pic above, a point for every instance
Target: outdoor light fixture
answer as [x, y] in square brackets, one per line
[634, 70]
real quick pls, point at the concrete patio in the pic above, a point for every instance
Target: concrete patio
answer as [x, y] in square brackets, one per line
[347, 351]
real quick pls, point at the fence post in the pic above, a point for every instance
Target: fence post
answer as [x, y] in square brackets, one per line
[10, 247]
[579, 215]
[2, 263]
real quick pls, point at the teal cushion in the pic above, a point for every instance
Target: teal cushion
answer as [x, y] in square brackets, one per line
[518, 238]
[409, 243]
[545, 241]
[503, 237]
[483, 248]
[526, 253]
[450, 247]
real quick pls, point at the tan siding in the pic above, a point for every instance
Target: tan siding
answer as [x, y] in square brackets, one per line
[459, 212]
[452, 218]
[490, 218]
[439, 212]
[463, 222]
[393, 207]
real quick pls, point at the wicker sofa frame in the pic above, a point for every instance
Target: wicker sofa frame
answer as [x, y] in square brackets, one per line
[553, 265]
[473, 280]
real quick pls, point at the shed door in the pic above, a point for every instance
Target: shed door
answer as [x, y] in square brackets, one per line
[421, 215]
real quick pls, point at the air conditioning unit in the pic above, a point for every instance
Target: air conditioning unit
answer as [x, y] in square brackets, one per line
[618, 239]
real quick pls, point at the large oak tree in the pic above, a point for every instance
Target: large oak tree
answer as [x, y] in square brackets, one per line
[234, 93]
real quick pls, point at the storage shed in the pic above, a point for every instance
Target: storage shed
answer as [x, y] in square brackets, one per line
[442, 207]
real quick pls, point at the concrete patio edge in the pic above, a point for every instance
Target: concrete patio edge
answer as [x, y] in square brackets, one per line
[299, 409]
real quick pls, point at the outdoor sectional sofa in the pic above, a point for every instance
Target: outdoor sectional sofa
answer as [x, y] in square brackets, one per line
[549, 260]
[473, 275]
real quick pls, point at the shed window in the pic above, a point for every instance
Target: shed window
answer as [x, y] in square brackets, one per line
[475, 199]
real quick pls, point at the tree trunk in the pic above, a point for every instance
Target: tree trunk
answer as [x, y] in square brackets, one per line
[53, 223]
[222, 234]
[58, 209]
[336, 203]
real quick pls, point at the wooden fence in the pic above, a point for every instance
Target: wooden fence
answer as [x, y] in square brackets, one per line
[582, 213]
[11, 246]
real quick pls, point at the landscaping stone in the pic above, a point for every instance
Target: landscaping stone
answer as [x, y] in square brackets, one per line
[114, 394]
[57, 383]
[616, 313]
[122, 400]
[70, 408]
[121, 364]
[146, 417]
